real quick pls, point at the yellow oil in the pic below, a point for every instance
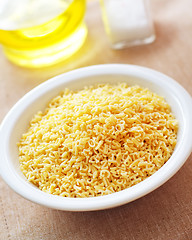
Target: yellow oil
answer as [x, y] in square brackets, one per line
[47, 43]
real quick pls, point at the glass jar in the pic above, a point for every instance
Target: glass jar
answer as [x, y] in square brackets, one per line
[127, 22]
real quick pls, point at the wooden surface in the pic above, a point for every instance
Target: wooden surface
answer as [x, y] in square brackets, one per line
[165, 213]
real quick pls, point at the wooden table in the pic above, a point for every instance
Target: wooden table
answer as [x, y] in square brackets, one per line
[165, 213]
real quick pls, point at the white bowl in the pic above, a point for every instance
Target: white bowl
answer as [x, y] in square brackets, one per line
[17, 120]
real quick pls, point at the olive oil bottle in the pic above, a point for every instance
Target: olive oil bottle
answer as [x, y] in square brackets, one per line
[49, 42]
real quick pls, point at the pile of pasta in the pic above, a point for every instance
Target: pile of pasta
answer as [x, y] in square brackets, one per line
[98, 140]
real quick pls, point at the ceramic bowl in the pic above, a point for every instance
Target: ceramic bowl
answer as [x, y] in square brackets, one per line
[16, 122]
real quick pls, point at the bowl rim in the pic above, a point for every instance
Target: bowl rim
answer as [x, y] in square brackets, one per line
[23, 188]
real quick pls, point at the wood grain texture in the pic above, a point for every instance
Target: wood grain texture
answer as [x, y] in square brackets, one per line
[165, 213]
